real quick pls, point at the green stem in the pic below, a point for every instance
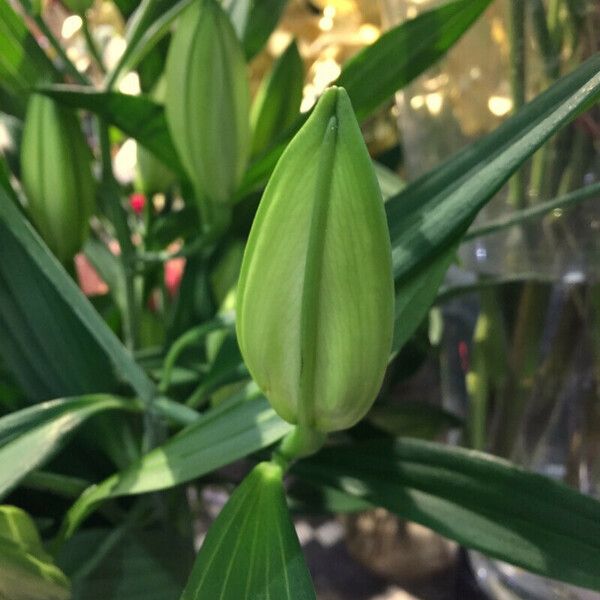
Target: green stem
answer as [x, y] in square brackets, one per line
[298, 443]
[68, 66]
[527, 214]
[91, 44]
[517, 80]
[139, 21]
[61, 485]
[128, 253]
[189, 338]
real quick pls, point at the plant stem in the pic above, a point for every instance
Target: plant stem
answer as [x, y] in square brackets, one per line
[91, 44]
[138, 23]
[119, 220]
[527, 214]
[517, 80]
[189, 338]
[298, 443]
[61, 485]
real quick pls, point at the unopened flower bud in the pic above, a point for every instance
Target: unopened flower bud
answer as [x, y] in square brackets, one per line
[56, 176]
[207, 101]
[315, 297]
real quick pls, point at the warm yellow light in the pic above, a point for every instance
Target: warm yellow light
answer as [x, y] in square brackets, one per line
[71, 25]
[326, 71]
[500, 105]
[130, 84]
[434, 103]
[417, 102]
[368, 33]
[125, 162]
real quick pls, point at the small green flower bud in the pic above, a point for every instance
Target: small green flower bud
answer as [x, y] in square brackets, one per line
[315, 296]
[56, 176]
[207, 101]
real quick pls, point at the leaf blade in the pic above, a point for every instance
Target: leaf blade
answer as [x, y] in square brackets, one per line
[242, 425]
[256, 513]
[481, 501]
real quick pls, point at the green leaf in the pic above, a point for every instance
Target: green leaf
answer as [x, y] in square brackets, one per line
[390, 183]
[252, 551]
[29, 437]
[238, 427]
[533, 212]
[429, 217]
[480, 501]
[404, 52]
[261, 21]
[138, 117]
[120, 564]
[52, 338]
[389, 64]
[414, 419]
[25, 577]
[17, 526]
[22, 62]
[277, 103]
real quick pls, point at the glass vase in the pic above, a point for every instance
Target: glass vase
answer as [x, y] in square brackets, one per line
[520, 354]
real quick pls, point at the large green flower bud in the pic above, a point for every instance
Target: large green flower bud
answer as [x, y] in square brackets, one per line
[208, 102]
[56, 176]
[315, 296]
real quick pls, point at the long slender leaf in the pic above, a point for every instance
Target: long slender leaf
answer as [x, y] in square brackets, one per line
[235, 429]
[388, 65]
[120, 564]
[22, 62]
[479, 500]
[30, 436]
[137, 116]
[405, 52]
[533, 212]
[23, 576]
[50, 335]
[252, 551]
[429, 217]
[262, 19]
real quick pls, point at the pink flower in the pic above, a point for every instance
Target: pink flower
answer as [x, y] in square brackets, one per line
[137, 202]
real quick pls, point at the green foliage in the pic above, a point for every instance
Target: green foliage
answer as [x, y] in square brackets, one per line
[315, 308]
[252, 551]
[481, 501]
[27, 572]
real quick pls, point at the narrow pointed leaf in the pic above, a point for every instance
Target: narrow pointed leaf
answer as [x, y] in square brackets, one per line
[31, 436]
[138, 117]
[388, 64]
[480, 501]
[52, 338]
[23, 63]
[277, 102]
[235, 429]
[261, 21]
[23, 576]
[252, 551]
[429, 217]
[404, 52]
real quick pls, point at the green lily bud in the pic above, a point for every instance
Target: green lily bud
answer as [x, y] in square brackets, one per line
[207, 101]
[56, 176]
[315, 296]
